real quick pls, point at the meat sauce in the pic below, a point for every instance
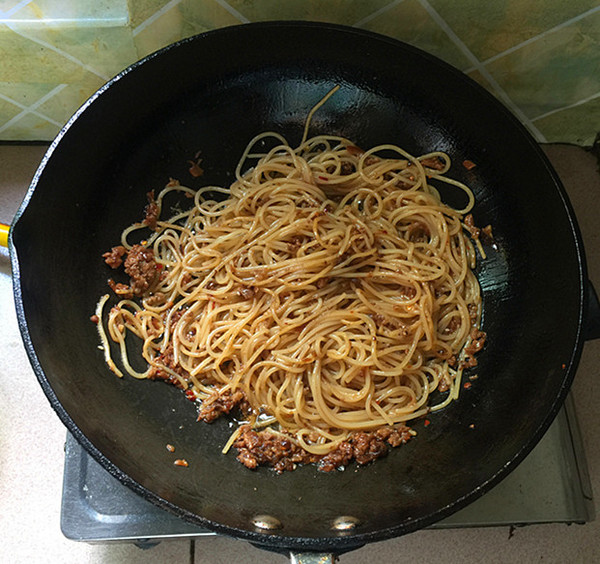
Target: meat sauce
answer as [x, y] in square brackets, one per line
[140, 265]
[267, 448]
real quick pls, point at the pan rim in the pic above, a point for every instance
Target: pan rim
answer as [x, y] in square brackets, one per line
[271, 540]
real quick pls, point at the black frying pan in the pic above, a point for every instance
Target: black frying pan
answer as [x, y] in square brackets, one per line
[212, 93]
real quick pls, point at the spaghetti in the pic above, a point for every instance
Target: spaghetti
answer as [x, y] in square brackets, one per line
[329, 295]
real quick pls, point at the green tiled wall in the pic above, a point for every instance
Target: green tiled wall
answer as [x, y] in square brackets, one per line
[541, 59]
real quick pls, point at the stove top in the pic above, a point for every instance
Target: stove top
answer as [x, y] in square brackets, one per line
[551, 485]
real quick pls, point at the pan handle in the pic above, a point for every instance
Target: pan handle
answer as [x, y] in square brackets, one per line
[591, 319]
[312, 558]
[4, 234]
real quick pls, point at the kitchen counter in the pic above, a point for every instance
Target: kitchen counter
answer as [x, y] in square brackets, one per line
[32, 437]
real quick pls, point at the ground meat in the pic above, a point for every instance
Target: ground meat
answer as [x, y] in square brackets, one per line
[367, 447]
[265, 448]
[114, 257]
[219, 404]
[142, 268]
[436, 163]
[394, 436]
[408, 292]
[168, 357]
[453, 325]
[468, 362]
[380, 319]
[470, 225]
[337, 458]
[122, 290]
[477, 341]
[151, 212]
[403, 185]
[486, 235]
[444, 384]
[473, 313]
[384, 322]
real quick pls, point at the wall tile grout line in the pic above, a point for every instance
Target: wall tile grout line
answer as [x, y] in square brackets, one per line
[22, 106]
[15, 8]
[532, 116]
[35, 105]
[57, 50]
[478, 66]
[22, 114]
[151, 19]
[235, 13]
[567, 107]
[377, 13]
[543, 34]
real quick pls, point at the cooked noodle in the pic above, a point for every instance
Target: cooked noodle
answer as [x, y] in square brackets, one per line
[331, 286]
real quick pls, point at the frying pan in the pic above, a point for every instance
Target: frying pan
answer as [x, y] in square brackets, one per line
[211, 94]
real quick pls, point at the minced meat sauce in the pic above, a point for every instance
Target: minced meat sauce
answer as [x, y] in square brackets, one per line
[365, 447]
[114, 257]
[221, 404]
[265, 448]
[151, 212]
[279, 451]
[142, 268]
[140, 265]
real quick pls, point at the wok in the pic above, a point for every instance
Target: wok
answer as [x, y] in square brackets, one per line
[212, 93]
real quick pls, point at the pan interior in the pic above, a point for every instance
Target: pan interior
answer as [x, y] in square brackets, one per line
[212, 94]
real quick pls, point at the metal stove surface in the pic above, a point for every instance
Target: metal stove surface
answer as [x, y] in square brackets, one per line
[551, 485]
